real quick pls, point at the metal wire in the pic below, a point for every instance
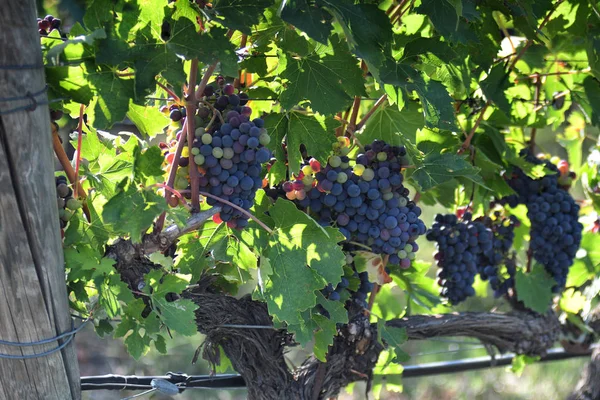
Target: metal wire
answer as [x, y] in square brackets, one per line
[69, 335]
[234, 381]
[28, 96]
[22, 66]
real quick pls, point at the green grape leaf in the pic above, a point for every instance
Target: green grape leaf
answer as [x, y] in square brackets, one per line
[77, 41]
[535, 289]
[315, 132]
[178, 315]
[494, 86]
[393, 126]
[304, 257]
[98, 13]
[445, 17]
[328, 82]
[439, 168]
[437, 105]
[367, 28]
[136, 344]
[592, 91]
[309, 18]
[161, 344]
[240, 15]
[69, 82]
[193, 249]
[111, 102]
[149, 120]
[147, 163]
[520, 361]
[393, 337]
[208, 47]
[138, 207]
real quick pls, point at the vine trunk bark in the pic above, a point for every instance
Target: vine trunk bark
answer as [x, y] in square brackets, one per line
[33, 296]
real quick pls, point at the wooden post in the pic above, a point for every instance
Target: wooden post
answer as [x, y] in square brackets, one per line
[33, 296]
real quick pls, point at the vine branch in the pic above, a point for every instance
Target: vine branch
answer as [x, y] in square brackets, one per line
[190, 121]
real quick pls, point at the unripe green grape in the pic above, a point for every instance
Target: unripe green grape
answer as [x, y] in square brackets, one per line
[207, 138]
[368, 174]
[408, 248]
[181, 183]
[195, 151]
[402, 254]
[344, 151]
[66, 216]
[73, 204]
[387, 196]
[381, 156]
[412, 256]
[217, 152]
[342, 177]
[199, 159]
[335, 161]
[264, 139]
[402, 201]
[199, 132]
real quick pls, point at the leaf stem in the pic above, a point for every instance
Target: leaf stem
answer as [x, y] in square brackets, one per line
[538, 87]
[240, 209]
[467, 143]
[169, 91]
[368, 115]
[558, 73]
[530, 41]
[79, 138]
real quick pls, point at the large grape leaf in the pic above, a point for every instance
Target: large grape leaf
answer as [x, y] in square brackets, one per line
[208, 47]
[308, 17]
[314, 132]
[535, 289]
[240, 15]
[111, 101]
[494, 85]
[132, 211]
[445, 15]
[320, 328]
[368, 29]
[178, 315]
[438, 168]
[393, 126]
[328, 82]
[148, 119]
[304, 258]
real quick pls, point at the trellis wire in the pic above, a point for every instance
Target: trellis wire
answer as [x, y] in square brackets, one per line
[235, 381]
[29, 96]
[69, 335]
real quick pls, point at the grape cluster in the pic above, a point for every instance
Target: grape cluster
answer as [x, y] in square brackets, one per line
[229, 156]
[47, 24]
[555, 229]
[364, 198]
[460, 245]
[67, 205]
[491, 261]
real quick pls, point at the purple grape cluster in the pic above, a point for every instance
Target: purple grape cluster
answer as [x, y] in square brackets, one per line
[555, 230]
[230, 157]
[47, 24]
[459, 244]
[491, 261]
[366, 201]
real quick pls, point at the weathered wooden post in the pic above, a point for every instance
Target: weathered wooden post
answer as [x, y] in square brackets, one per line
[33, 296]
